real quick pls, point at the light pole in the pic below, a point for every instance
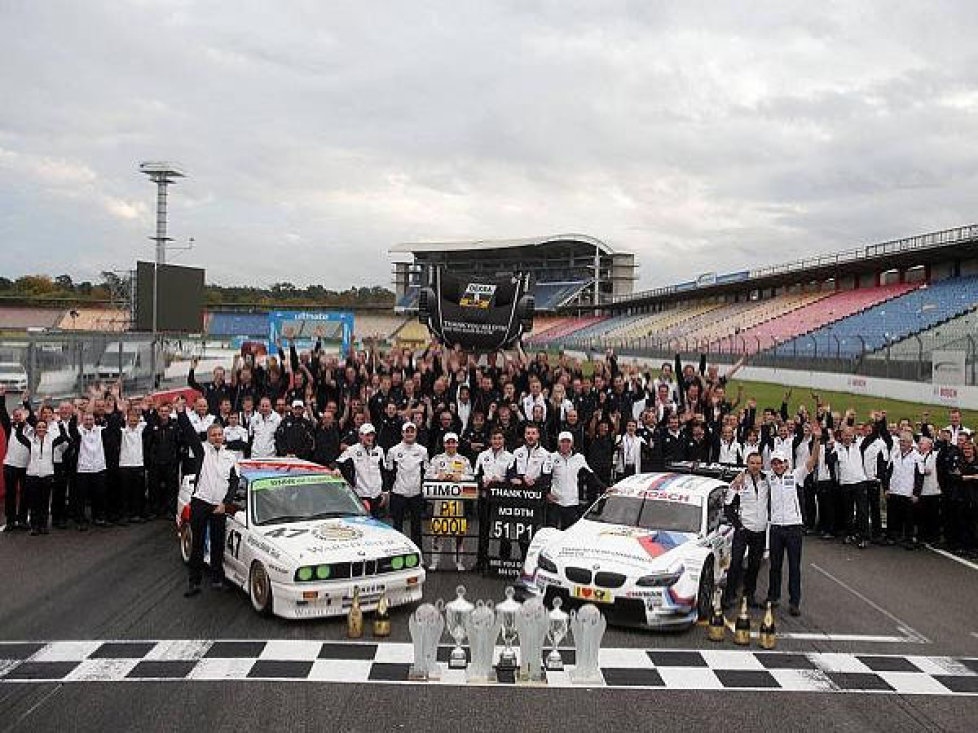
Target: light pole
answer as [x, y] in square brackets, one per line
[162, 174]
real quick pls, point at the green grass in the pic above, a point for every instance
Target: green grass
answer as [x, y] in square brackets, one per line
[770, 395]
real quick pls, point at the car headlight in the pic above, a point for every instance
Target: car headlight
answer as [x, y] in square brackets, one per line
[545, 563]
[304, 574]
[661, 580]
[411, 561]
[323, 572]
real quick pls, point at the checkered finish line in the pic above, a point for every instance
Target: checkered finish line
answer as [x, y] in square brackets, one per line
[388, 663]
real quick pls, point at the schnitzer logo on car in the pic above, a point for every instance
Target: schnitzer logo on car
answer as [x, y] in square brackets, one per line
[477, 295]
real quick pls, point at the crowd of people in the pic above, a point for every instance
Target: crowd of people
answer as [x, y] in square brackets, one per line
[388, 419]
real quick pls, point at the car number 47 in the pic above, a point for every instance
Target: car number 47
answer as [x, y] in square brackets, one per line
[234, 543]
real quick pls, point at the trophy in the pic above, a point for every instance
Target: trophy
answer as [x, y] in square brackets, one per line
[456, 615]
[557, 630]
[587, 625]
[426, 626]
[481, 628]
[531, 623]
[506, 617]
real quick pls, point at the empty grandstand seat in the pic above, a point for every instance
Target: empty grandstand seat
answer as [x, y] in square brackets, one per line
[889, 321]
[225, 324]
[551, 295]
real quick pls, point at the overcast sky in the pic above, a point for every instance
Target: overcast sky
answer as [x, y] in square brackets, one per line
[318, 134]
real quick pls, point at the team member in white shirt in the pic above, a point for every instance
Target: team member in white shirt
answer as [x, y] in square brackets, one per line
[532, 400]
[236, 436]
[214, 488]
[490, 470]
[851, 473]
[787, 525]
[532, 467]
[929, 505]
[731, 453]
[876, 456]
[628, 453]
[59, 492]
[902, 484]
[570, 472]
[448, 466]
[40, 443]
[746, 508]
[406, 464]
[361, 465]
[262, 428]
[14, 468]
[89, 483]
[132, 466]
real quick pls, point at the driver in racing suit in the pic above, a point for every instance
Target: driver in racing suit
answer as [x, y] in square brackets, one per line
[448, 466]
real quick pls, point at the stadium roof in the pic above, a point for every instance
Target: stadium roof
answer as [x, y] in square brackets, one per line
[483, 244]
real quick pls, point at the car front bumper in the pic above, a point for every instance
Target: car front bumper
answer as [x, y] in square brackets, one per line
[321, 600]
[652, 608]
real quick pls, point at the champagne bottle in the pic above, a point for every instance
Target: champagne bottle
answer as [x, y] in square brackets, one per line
[766, 634]
[742, 627]
[717, 629]
[354, 619]
[382, 619]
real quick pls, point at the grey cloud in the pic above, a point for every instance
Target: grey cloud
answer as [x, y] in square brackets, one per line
[698, 135]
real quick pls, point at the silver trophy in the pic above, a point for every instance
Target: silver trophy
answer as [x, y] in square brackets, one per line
[456, 614]
[531, 623]
[482, 629]
[506, 616]
[588, 626]
[426, 626]
[557, 630]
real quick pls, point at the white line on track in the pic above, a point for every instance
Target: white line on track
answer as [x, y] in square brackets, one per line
[912, 635]
[952, 556]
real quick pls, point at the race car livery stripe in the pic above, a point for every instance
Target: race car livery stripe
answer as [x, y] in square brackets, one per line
[659, 543]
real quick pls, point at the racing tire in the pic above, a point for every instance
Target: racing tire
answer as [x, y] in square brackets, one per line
[186, 542]
[704, 597]
[260, 589]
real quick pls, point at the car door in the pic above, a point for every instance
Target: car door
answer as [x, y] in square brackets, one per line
[237, 551]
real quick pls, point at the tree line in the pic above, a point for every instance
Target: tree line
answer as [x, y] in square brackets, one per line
[112, 287]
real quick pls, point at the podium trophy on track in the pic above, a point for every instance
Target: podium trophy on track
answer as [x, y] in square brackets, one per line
[457, 614]
[482, 629]
[426, 626]
[532, 624]
[587, 626]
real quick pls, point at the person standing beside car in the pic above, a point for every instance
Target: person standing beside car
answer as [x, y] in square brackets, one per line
[214, 486]
[747, 509]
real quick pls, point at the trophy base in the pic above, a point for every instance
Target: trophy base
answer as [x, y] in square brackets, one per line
[555, 662]
[417, 675]
[507, 669]
[525, 678]
[459, 660]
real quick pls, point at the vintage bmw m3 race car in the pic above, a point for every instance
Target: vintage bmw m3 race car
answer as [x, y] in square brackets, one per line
[302, 542]
[649, 552]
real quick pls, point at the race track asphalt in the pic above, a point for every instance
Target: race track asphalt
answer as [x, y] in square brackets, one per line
[127, 584]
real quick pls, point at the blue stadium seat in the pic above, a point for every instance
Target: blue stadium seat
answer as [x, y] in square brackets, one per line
[890, 321]
[238, 324]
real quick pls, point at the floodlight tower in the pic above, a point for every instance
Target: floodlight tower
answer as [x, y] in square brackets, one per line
[162, 174]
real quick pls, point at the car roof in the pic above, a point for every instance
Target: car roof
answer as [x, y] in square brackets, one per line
[256, 468]
[668, 486]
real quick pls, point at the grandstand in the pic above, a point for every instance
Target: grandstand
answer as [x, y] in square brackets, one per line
[900, 299]
[566, 270]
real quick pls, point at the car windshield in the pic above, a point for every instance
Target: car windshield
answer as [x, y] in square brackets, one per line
[639, 511]
[301, 498]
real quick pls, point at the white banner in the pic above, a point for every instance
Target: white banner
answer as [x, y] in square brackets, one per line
[948, 367]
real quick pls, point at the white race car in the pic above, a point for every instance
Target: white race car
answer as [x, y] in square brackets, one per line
[649, 552]
[303, 543]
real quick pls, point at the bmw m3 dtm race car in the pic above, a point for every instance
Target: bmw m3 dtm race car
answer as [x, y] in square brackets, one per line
[302, 542]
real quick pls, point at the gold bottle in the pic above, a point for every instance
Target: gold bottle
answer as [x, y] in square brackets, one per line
[717, 629]
[354, 619]
[742, 627]
[766, 634]
[382, 619]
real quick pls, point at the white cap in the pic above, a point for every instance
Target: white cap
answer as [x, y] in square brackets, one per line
[449, 436]
[780, 455]
[408, 425]
[566, 435]
[298, 403]
[367, 428]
